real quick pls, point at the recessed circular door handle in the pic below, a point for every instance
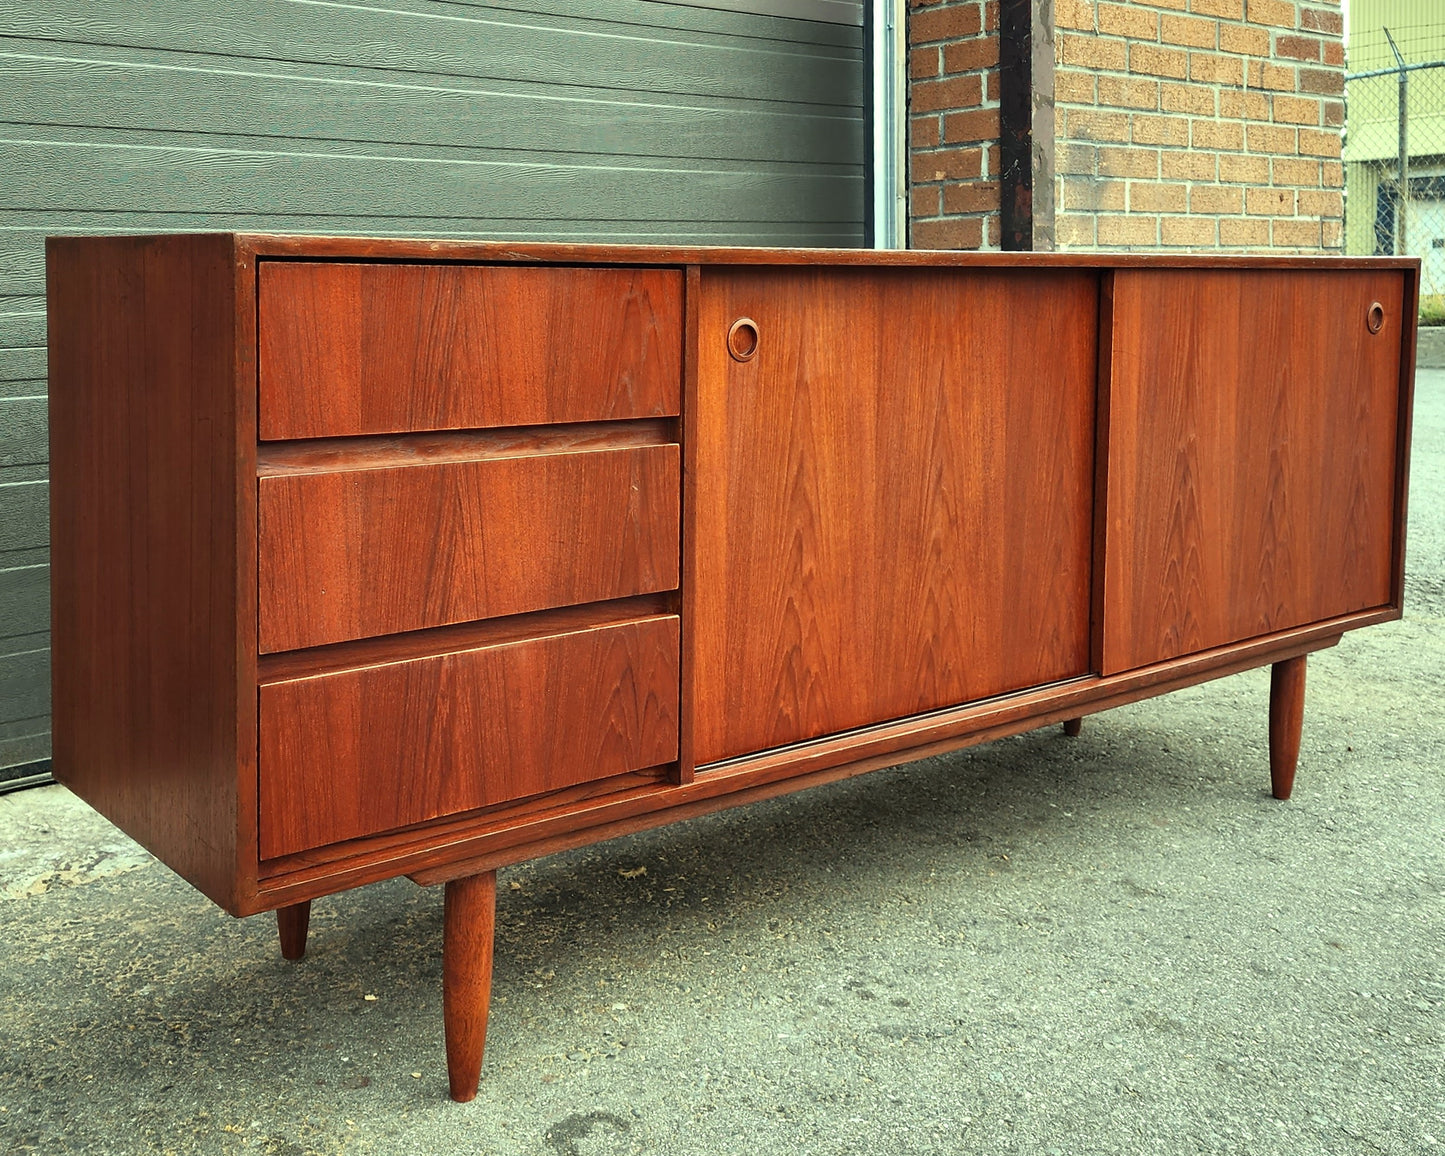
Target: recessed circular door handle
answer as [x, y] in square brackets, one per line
[743, 339]
[1375, 317]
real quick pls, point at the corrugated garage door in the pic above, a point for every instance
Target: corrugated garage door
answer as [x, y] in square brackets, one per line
[602, 120]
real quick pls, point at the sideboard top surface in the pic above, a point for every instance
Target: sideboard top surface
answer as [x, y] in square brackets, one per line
[440, 249]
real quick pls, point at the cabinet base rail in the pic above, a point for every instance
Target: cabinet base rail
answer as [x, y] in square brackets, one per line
[466, 845]
[470, 902]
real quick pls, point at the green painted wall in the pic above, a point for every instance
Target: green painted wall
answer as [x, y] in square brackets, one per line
[595, 120]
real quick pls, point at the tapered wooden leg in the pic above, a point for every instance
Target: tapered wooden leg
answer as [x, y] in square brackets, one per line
[1286, 719]
[469, 921]
[292, 923]
[1072, 727]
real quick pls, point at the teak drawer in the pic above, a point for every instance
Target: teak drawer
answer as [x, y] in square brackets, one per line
[355, 553]
[365, 750]
[366, 349]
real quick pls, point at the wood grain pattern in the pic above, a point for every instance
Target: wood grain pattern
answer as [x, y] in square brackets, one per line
[1252, 459]
[147, 543]
[352, 553]
[892, 545]
[868, 545]
[367, 349]
[1103, 383]
[1286, 721]
[359, 751]
[469, 919]
[586, 816]
[247, 610]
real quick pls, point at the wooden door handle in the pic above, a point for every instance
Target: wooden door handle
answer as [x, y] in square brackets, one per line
[743, 339]
[1375, 317]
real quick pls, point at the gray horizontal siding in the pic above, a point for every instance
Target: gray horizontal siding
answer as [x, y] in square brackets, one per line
[25, 524]
[26, 364]
[450, 40]
[22, 322]
[24, 694]
[102, 89]
[22, 433]
[797, 23]
[110, 176]
[833, 11]
[96, 22]
[577, 120]
[25, 740]
[24, 602]
[25, 683]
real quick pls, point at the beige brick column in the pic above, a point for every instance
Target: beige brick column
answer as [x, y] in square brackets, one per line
[1199, 124]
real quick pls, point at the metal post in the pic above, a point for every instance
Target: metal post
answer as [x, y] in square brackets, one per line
[1026, 123]
[889, 55]
[1402, 201]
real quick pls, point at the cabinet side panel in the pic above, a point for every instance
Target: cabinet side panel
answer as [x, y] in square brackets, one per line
[1252, 462]
[144, 543]
[894, 496]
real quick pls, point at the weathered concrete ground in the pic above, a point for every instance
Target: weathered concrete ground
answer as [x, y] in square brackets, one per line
[1118, 943]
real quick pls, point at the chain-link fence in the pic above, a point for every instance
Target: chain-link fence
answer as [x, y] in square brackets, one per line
[1395, 155]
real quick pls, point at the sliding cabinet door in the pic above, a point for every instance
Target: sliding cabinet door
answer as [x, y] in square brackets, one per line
[892, 495]
[1252, 461]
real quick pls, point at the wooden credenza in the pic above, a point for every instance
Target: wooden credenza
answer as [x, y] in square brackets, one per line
[375, 558]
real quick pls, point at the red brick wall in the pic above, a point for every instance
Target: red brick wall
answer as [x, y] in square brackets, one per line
[953, 124]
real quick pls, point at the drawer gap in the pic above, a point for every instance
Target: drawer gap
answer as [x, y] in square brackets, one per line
[291, 664]
[333, 455]
[426, 844]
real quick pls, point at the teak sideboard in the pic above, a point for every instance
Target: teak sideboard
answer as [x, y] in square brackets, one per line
[375, 558]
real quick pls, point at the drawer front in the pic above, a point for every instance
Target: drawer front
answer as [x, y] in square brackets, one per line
[361, 751]
[368, 349]
[364, 552]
